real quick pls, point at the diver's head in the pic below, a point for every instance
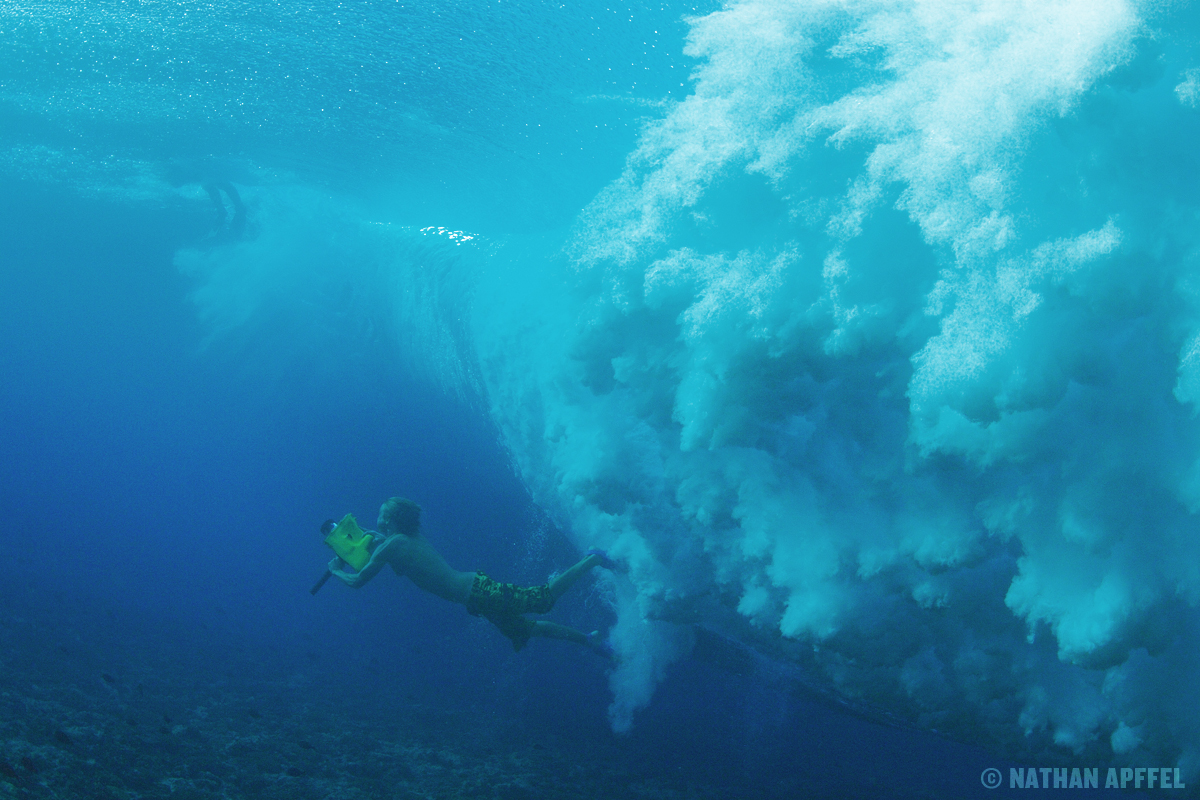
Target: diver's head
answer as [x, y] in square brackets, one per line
[327, 526]
[399, 515]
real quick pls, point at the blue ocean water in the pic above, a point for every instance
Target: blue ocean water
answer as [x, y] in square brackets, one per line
[864, 334]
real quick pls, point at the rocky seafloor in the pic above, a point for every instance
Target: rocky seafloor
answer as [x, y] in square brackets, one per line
[60, 741]
[89, 711]
[102, 699]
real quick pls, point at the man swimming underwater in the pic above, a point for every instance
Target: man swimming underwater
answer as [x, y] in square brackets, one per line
[399, 542]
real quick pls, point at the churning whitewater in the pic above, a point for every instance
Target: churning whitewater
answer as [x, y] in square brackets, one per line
[884, 343]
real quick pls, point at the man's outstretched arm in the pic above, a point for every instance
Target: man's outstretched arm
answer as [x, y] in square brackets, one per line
[357, 579]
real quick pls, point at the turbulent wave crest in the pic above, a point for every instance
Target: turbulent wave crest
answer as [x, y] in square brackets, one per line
[883, 354]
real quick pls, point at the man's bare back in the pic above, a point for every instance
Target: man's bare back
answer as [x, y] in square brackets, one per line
[413, 556]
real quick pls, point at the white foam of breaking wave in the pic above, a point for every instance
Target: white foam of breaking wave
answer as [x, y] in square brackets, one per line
[899, 411]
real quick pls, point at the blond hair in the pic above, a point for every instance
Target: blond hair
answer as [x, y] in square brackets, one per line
[400, 515]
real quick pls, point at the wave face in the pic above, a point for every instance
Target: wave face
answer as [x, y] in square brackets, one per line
[882, 353]
[884, 345]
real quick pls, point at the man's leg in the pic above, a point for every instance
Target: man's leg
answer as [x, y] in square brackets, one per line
[552, 630]
[560, 584]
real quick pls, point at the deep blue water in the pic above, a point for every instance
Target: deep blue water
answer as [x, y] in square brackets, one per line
[865, 334]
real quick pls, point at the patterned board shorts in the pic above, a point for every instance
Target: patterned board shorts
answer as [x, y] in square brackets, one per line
[502, 604]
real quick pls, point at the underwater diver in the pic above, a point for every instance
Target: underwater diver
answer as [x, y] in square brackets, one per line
[216, 176]
[399, 543]
[237, 225]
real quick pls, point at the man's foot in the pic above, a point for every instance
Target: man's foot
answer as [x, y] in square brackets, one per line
[603, 560]
[601, 647]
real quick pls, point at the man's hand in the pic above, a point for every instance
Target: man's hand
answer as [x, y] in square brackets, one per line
[359, 578]
[335, 569]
